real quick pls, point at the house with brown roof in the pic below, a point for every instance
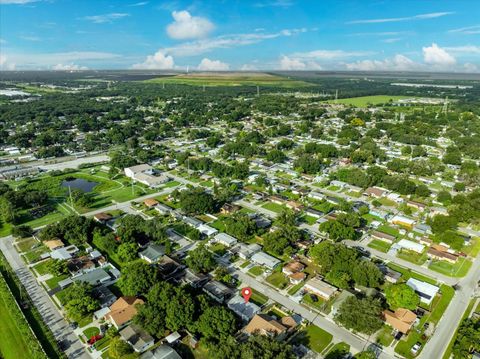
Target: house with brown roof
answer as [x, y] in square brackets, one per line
[102, 217]
[375, 192]
[265, 325]
[122, 311]
[442, 255]
[292, 267]
[383, 236]
[402, 319]
[297, 278]
[150, 202]
[228, 208]
[54, 244]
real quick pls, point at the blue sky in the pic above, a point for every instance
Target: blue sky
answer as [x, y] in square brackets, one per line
[407, 35]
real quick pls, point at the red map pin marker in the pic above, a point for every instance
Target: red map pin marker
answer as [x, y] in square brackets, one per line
[246, 293]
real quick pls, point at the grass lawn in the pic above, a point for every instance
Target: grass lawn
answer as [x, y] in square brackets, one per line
[314, 338]
[244, 264]
[309, 219]
[439, 305]
[339, 350]
[218, 248]
[412, 256]
[389, 230]
[218, 224]
[379, 245]
[404, 346]
[90, 332]
[85, 320]
[256, 270]
[385, 337]
[295, 288]
[274, 207]
[278, 280]
[370, 218]
[407, 274]
[42, 267]
[34, 255]
[26, 244]
[458, 269]
[13, 344]
[53, 282]
[364, 101]
[258, 298]
[319, 304]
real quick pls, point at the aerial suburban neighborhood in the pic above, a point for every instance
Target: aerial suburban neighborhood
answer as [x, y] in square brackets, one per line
[175, 213]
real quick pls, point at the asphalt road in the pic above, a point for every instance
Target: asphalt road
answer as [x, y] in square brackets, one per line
[340, 334]
[50, 314]
[74, 163]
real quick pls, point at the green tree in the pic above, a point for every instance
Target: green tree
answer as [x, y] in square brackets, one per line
[57, 267]
[216, 323]
[127, 252]
[137, 278]
[401, 296]
[118, 348]
[201, 260]
[79, 301]
[361, 315]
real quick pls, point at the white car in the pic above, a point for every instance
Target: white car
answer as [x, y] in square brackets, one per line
[415, 349]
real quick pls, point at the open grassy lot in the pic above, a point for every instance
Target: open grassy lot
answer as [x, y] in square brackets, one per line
[274, 207]
[412, 256]
[258, 298]
[385, 337]
[407, 274]
[15, 337]
[256, 271]
[53, 282]
[42, 267]
[458, 269]
[364, 101]
[26, 244]
[339, 350]
[230, 79]
[278, 280]
[379, 245]
[314, 338]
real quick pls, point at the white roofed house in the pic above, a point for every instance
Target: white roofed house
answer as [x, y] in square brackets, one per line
[266, 260]
[225, 239]
[245, 310]
[410, 245]
[317, 286]
[426, 291]
[145, 174]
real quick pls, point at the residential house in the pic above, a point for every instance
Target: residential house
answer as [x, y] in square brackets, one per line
[161, 352]
[196, 280]
[293, 267]
[375, 192]
[206, 230]
[246, 251]
[410, 245]
[263, 324]
[228, 208]
[417, 205]
[123, 311]
[383, 236]
[245, 310]
[64, 253]
[150, 202]
[442, 255]
[266, 260]
[102, 217]
[320, 288]
[225, 239]
[426, 291]
[402, 221]
[138, 338]
[167, 267]
[402, 319]
[163, 209]
[94, 277]
[152, 253]
[217, 291]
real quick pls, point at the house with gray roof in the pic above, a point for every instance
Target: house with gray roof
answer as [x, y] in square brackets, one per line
[152, 253]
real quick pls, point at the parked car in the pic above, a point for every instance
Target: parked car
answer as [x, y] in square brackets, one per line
[416, 348]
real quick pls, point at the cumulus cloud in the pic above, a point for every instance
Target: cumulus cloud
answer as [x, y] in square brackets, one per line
[157, 61]
[290, 64]
[106, 18]
[4, 64]
[435, 55]
[397, 63]
[68, 67]
[187, 26]
[212, 65]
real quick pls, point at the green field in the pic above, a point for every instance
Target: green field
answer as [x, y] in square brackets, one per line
[314, 338]
[230, 79]
[458, 269]
[379, 245]
[364, 101]
[15, 338]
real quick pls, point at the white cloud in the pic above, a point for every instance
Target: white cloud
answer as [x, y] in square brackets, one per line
[397, 63]
[212, 65]
[198, 47]
[464, 50]
[187, 26]
[392, 40]
[468, 67]
[106, 18]
[17, 2]
[47, 60]
[329, 54]
[68, 67]
[468, 30]
[30, 38]
[290, 64]
[4, 64]
[275, 3]
[248, 67]
[141, 3]
[435, 55]
[432, 15]
[158, 61]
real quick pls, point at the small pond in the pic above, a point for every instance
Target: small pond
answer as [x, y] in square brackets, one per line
[79, 183]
